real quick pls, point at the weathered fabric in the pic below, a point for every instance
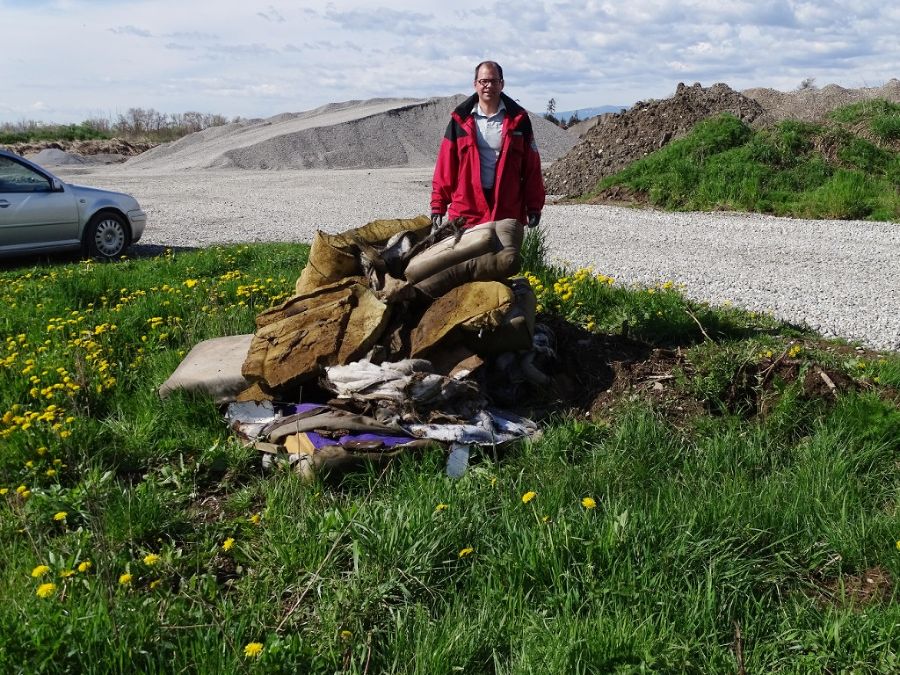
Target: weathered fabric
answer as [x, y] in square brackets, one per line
[514, 332]
[318, 438]
[334, 257]
[487, 427]
[471, 314]
[332, 325]
[407, 390]
[212, 367]
[486, 252]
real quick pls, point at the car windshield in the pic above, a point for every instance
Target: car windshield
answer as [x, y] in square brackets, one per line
[15, 177]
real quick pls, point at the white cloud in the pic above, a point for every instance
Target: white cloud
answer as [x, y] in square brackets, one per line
[270, 58]
[131, 30]
[271, 14]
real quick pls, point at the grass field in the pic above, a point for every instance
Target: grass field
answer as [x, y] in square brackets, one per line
[737, 519]
[846, 169]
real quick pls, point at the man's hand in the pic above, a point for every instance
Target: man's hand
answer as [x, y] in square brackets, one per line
[436, 220]
[534, 219]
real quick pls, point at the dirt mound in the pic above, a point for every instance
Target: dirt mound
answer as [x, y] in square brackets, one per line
[813, 104]
[370, 134]
[612, 141]
[618, 139]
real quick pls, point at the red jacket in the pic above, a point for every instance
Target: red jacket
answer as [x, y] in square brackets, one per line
[518, 185]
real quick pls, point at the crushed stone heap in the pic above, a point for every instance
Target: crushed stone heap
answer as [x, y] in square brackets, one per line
[618, 139]
[373, 134]
[812, 104]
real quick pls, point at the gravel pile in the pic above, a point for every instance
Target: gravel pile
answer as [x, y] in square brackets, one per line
[372, 134]
[839, 277]
[813, 104]
[55, 158]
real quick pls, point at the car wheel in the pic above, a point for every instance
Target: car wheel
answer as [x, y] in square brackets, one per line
[107, 236]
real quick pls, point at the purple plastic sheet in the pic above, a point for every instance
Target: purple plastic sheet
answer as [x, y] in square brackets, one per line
[319, 441]
[389, 441]
[297, 408]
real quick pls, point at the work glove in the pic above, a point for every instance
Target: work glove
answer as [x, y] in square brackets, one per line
[436, 220]
[534, 219]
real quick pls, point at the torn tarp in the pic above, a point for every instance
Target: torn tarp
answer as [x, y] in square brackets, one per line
[325, 436]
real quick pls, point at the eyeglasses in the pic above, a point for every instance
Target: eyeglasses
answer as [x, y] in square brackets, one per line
[485, 82]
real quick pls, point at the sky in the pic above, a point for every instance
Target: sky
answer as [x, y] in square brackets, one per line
[70, 60]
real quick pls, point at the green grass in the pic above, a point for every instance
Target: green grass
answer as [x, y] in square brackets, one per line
[847, 169]
[708, 522]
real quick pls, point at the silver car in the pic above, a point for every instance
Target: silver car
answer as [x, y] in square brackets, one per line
[39, 213]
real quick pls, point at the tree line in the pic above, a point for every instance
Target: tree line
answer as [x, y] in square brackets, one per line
[563, 123]
[134, 124]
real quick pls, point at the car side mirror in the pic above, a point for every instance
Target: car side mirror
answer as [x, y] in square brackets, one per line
[56, 185]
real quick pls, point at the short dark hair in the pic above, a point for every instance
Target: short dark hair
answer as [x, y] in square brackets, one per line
[492, 64]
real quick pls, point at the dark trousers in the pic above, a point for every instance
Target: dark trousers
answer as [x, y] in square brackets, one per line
[489, 196]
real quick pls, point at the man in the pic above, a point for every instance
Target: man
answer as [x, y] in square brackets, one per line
[488, 167]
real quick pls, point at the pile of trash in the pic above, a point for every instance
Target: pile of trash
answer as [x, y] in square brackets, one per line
[397, 337]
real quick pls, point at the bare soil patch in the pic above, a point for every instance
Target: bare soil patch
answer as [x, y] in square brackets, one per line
[872, 586]
[596, 373]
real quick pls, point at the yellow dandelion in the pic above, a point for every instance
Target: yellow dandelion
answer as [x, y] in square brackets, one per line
[65, 574]
[466, 551]
[40, 571]
[155, 584]
[528, 496]
[227, 544]
[125, 579]
[589, 503]
[151, 559]
[190, 283]
[45, 590]
[441, 507]
[85, 566]
[898, 544]
[60, 515]
[346, 634]
[50, 472]
[3, 491]
[255, 518]
[253, 649]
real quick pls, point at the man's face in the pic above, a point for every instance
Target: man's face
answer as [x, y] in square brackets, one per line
[488, 85]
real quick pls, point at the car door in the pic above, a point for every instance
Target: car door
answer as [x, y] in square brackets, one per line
[32, 214]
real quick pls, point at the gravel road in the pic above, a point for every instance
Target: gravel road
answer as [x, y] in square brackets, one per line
[841, 278]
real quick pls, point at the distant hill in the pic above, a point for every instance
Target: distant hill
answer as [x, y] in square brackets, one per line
[587, 113]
